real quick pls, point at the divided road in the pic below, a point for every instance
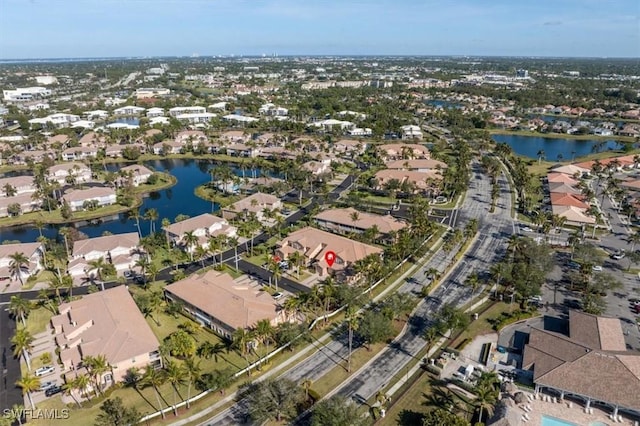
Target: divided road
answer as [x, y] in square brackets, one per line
[494, 229]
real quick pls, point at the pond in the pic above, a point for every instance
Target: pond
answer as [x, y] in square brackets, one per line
[554, 148]
[179, 199]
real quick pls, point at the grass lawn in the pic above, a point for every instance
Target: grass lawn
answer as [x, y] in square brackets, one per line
[410, 404]
[37, 320]
[481, 325]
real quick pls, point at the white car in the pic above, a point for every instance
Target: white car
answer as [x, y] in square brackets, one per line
[527, 229]
[596, 268]
[43, 371]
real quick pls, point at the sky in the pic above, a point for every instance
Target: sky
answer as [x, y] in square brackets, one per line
[124, 28]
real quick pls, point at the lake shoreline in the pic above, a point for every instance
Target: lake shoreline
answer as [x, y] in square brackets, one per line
[33, 217]
[622, 139]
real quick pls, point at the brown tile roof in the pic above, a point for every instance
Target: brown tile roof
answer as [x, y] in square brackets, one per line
[263, 200]
[137, 169]
[592, 361]
[561, 177]
[563, 188]
[316, 243]
[28, 249]
[113, 327]
[106, 243]
[66, 167]
[563, 199]
[202, 221]
[385, 223]
[420, 163]
[396, 149]
[88, 194]
[218, 295]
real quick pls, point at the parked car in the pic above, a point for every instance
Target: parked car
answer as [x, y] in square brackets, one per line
[43, 371]
[618, 255]
[129, 275]
[527, 229]
[278, 295]
[46, 385]
[53, 390]
[596, 268]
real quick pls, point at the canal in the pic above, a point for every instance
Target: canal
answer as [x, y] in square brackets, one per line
[554, 148]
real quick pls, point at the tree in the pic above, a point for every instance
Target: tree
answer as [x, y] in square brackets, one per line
[22, 343]
[190, 240]
[19, 308]
[442, 417]
[18, 266]
[175, 376]
[264, 331]
[115, 413]
[155, 378]
[181, 344]
[272, 400]
[14, 209]
[29, 384]
[337, 411]
[374, 327]
[152, 216]
[193, 373]
[486, 399]
[97, 265]
[96, 366]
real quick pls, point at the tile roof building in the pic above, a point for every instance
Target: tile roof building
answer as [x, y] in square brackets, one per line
[590, 362]
[32, 251]
[255, 203]
[203, 226]
[223, 304]
[313, 244]
[105, 323]
[342, 221]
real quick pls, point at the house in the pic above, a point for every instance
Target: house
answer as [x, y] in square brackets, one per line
[128, 110]
[193, 136]
[100, 195]
[121, 250]
[148, 92]
[32, 251]
[587, 360]
[239, 118]
[223, 304]
[195, 118]
[350, 220]
[76, 171]
[155, 112]
[37, 156]
[176, 111]
[79, 153]
[420, 165]
[256, 203]
[98, 114]
[203, 226]
[396, 151]
[573, 215]
[234, 136]
[411, 132]
[313, 244]
[26, 202]
[139, 173]
[107, 323]
[351, 146]
[561, 178]
[17, 185]
[57, 120]
[317, 167]
[421, 181]
[168, 147]
[564, 199]
[91, 139]
[241, 150]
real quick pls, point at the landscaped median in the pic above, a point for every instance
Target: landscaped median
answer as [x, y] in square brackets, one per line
[165, 180]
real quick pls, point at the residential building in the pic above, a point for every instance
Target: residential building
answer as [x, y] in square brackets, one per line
[313, 244]
[239, 118]
[193, 136]
[121, 250]
[256, 203]
[101, 195]
[139, 174]
[223, 304]
[350, 220]
[176, 111]
[17, 185]
[25, 94]
[26, 202]
[194, 118]
[588, 360]
[317, 167]
[77, 171]
[350, 146]
[57, 120]
[98, 114]
[168, 147]
[203, 226]
[420, 165]
[241, 150]
[32, 251]
[107, 323]
[128, 110]
[234, 136]
[143, 93]
[79, 153]
[411, 132]
[573, 215]
[155, 112]
[399, 151]
[428, 181]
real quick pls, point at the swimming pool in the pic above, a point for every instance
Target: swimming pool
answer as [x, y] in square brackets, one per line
[552, 421]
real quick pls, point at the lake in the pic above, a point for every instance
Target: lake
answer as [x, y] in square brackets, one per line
[440, 103]
[179, 199]
[569, 149]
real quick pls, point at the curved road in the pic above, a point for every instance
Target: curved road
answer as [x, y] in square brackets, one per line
[494, 229]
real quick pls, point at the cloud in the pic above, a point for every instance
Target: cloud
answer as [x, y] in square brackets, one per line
[552, 23]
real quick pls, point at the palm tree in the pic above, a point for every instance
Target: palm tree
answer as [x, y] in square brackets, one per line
[473, 281]
[152, 216]
[193, 372]
[352, 323]
[18, 266]
[201, 254]
[97, 366]
[175, 376]
[276, 271]
[233, 241]
[155, 378]
[190, 239]
[296, 258]
[135, 215]
[486, 398]
[240, 341]
[22, 343]
[97, 265]
[29, 384]
[16, 413]
[19, 308]
[81, 383]
[540, 155]
[306, 385]
[264, 332]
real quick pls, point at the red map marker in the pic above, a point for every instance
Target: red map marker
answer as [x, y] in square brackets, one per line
[330, 257]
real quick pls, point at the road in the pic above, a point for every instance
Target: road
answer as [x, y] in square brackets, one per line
[494, 230]
[10, 366]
